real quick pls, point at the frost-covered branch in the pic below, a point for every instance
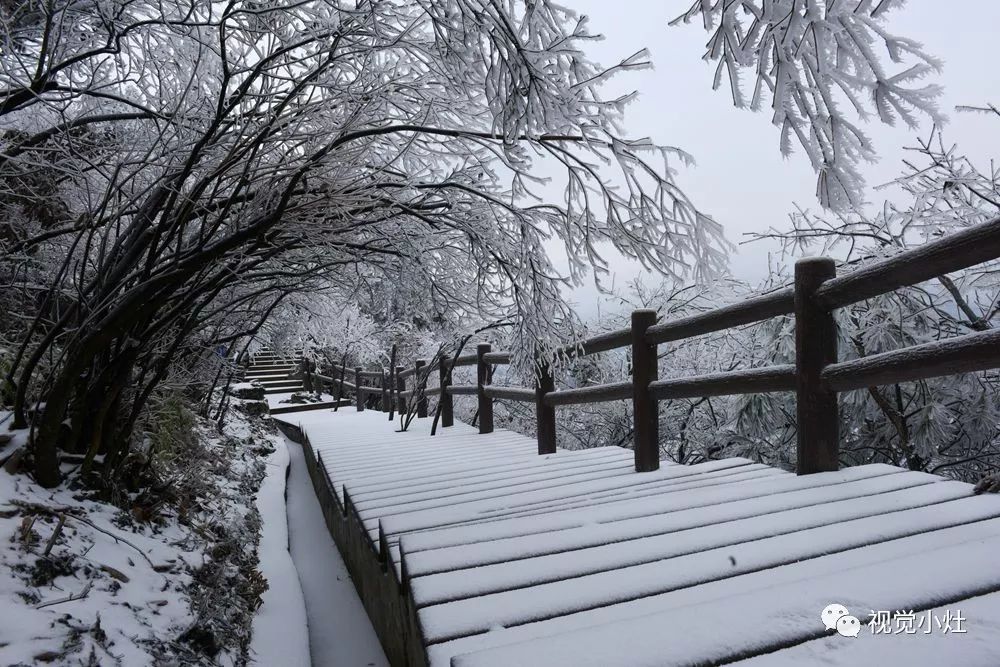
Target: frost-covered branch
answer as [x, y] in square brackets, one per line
[812, 59]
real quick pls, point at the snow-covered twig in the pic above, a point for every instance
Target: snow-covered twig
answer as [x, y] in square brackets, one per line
[66, 512]
[69, 598]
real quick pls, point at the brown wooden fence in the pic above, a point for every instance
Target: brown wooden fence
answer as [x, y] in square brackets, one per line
[816, 377]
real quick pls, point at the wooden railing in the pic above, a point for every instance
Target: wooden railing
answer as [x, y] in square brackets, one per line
[816, 377]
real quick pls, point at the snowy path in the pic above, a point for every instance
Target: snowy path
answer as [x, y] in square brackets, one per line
[510, 558]
[340, 634]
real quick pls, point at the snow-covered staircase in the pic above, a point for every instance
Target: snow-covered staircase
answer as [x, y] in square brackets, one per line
[280, 377]
[471, 550]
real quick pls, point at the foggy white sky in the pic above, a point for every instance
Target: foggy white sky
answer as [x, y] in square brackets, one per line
[741, 178]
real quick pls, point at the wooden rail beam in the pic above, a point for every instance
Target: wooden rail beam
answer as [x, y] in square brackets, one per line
[465, 360]
[752, 310]
[604, 342]
[953, 252]
[598, 393]
[978, 351]
[498, 358]
[518, 394]
[747, 381]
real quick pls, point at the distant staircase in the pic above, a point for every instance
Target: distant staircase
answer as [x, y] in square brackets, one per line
[278, 374]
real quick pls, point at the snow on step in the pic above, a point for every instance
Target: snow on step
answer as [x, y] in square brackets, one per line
[510, 544]
[756, 622]
[549, 500]
[479, 614]
[546, 499]
[800, 572]
[498, 489]
[619, 553]
[627, 509]
[976, 646]
[413, 492]
[471, 474]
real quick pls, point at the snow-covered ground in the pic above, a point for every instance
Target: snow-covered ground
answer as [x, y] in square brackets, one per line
[282, 400]
[84, 592]
[165, 576]
[280, 632]
[174, 579]
[340, 634]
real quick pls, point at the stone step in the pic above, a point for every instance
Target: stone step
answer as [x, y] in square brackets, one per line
[264, 367]
[276, 370]
[284, 390]
[300, 407]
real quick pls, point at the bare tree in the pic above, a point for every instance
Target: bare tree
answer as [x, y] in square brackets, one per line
[171, 169]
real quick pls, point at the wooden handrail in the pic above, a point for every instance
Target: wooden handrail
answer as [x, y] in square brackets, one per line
[498, 358]
[371, 375]
[748, 381]
[510, 393]
[816, 377]
[605, 342]
[464, 360]
[618, 391]
[954, 252]
[978, 351]
[750, 311]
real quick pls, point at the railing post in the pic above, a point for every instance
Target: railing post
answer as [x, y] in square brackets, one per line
[306, 375]
[400, 388]
[818, 437]
[340, 386]
[420, 387]
[335, 389]
[645, 412]
[545, 415]
[482, 380]
[359, 394]
[445, 399]
[385, 393]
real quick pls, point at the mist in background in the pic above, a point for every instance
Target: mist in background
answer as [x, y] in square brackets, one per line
[741, 178]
